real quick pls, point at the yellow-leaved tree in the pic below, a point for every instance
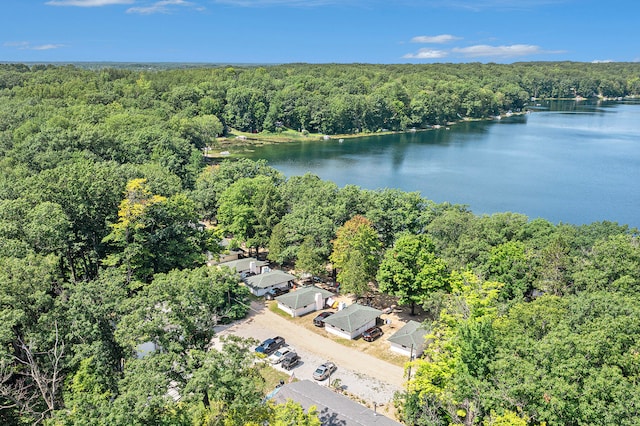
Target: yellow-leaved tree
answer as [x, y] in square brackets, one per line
[155, 234]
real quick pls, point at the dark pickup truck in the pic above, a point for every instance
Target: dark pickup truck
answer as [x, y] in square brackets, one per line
[269, 346]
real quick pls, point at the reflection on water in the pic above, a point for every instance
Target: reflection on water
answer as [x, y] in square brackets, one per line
[574, 162]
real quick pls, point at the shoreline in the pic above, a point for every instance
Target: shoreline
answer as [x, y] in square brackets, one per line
[236, 142]
[232, 145]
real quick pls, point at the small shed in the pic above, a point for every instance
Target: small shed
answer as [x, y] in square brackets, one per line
[246, 266]
[304, 300]
[228, 254]
[352, 321]
[409, 340]
[260, 284]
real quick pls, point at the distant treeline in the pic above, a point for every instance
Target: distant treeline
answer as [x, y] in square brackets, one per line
[328, 98]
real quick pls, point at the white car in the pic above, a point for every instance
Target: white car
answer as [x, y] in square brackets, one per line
[276, 357]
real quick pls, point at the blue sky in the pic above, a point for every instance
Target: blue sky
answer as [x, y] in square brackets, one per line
[319, 31]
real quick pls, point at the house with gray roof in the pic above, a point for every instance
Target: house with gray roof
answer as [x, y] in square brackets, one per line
[352, 321]
[409, 340]
[260, 284]
[334, 409]
[246, 265]
[303, 300]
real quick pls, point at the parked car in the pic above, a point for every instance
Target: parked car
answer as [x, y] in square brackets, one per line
[318, 321]
[269, 346]
[372, 334]
[324, 370]
[290, 360]
[275, 292]
[277, 356]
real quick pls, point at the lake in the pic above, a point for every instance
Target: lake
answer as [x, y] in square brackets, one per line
[571, 162]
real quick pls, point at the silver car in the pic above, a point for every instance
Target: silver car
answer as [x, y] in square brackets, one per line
[324, 370]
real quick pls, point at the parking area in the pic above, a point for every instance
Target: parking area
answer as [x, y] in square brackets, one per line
[366, 377]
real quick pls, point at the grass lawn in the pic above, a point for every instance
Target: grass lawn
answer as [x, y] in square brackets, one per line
[271, 376]
[236, 141]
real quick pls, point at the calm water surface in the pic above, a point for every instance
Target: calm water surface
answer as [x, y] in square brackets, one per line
[565, 162]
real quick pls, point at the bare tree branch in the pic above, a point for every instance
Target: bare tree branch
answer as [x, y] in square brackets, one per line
[37, 381]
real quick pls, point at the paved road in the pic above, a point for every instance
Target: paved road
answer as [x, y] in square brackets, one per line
[367, 377]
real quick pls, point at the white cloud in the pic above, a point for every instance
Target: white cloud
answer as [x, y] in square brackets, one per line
[479, 5]
[295, 3]
[47, 46]
[426, 54]
[602, 61]
[439, 39]
[87, 3]
[17, 44]
[25, 45]
[498, 51]
[163, 6]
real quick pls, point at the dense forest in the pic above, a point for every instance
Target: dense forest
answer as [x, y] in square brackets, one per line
[108, 212]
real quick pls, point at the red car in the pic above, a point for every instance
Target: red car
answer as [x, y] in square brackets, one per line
[372, 334]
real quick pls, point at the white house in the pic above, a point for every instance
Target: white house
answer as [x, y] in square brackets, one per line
[409, 340]
[352, 321]
[304, 300]
[246, 266]
[260, 284]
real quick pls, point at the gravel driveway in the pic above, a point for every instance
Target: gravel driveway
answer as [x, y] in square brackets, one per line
[367, 377]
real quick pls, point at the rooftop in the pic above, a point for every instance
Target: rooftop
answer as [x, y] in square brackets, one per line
[268, 279]
[333, 408]
[302, 297]
[353, 317]
[244, 264]
[410, 335]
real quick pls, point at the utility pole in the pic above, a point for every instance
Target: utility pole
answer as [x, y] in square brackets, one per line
[410, 359]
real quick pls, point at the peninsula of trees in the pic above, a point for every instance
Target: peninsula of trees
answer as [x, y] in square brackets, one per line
[328, 99]
[104, 194]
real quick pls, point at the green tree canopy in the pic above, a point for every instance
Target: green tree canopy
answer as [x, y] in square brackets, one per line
[156, 234]
[250, 208]
[451, 379]
[411, 270]
[178, 310]
[214, 180]
[311, 212]
[570, 360]
[356, 255]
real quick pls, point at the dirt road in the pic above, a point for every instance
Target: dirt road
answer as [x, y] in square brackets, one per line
[360, 374]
